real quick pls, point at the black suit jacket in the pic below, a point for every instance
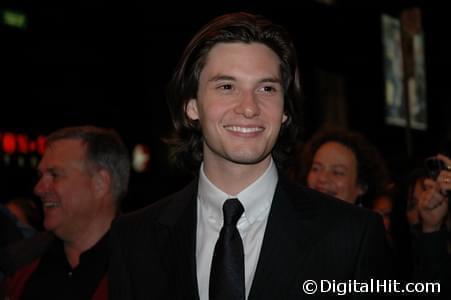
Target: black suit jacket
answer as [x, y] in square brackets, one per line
[308, 236]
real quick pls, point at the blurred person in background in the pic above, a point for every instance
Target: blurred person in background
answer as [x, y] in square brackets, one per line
[20, 218]
[84, 174]
[432, 241]
[383, 205]
[27, 215]
[343, 164]
[9, 231]
[415, 187]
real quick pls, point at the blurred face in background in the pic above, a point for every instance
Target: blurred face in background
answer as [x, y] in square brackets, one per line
[384, 206]
[19, 213]
[67, 189]
[334, 172]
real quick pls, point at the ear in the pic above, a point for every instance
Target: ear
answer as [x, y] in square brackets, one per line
[191, 109]
[101, 183]
[284, 118]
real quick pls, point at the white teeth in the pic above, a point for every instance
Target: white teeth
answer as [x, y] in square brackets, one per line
[50, 204]
[243, 129]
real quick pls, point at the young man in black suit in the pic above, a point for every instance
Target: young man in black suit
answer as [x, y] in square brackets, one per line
[234, 100]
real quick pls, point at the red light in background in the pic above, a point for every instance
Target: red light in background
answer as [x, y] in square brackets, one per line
[22, 143]
[32, 146]
[9, 143]
[40, 141]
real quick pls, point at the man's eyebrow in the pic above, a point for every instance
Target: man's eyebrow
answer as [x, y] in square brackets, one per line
[221, 77]
[271, 79]
[231, 78]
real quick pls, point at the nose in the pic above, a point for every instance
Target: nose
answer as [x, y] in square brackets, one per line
[323, 176]
[40, 187]
[248, 105]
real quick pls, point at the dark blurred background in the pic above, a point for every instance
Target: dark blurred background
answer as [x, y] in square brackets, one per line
[107, 63]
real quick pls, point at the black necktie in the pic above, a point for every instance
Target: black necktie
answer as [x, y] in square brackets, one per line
[227, 266]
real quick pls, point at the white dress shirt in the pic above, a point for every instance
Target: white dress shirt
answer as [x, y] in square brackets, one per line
[256, 199]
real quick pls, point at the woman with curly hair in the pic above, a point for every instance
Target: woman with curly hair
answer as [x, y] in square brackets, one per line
[343, 164]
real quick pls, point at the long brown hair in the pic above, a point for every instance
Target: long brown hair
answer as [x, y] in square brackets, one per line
[230, 28]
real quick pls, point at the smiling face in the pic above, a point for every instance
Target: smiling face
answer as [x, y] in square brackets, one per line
[334, 172]
[239, 103]
[67, 189]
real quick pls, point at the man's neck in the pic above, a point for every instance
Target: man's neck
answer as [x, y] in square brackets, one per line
[75, 246]
[231, 177]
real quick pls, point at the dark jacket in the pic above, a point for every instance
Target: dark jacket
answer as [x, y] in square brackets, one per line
[308, 236]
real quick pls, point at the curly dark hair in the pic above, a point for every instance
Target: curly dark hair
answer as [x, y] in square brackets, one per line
[239, 27]
[372, 172]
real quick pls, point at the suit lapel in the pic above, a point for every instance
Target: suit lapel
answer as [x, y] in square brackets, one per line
[179, 234]
[288, 237]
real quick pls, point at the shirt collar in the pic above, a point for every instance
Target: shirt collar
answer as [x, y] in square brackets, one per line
[256, 198]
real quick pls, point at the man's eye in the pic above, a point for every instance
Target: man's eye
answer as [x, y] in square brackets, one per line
[314, 168]
[226, 87]
[268, 89]
[339, 173]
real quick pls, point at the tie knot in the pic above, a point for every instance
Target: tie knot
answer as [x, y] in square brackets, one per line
[233, 209]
